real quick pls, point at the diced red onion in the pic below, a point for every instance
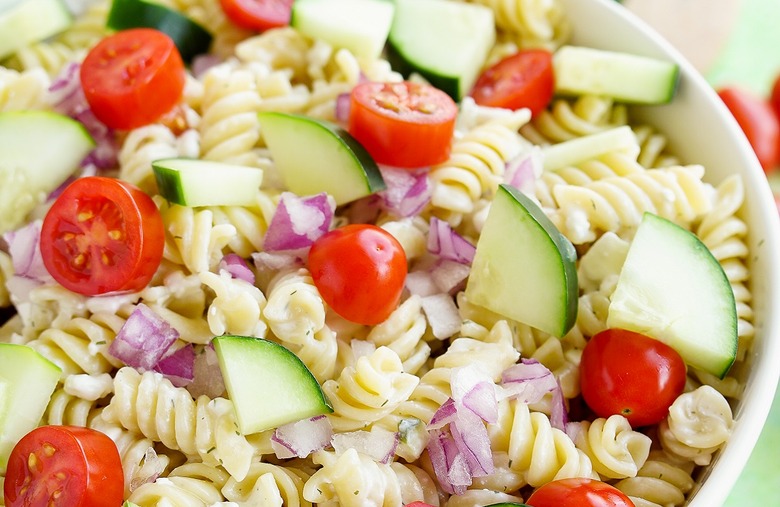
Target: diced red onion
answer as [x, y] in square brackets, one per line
[144, 339]
[19, 288]
[421, 283]
[528, 381]
[298, 221]
[449, 275]
[342, 107]
[472, 440]
[301, 438]
[448, 244]
[179, 366]
[574, 430]
[237, 267]
[275, 261]
[473, 389]
[444, 415]
[379, 444]
[448, 462]
[407, 192]
[365, 210]
[522, 171]
[151, 469]
[559, 415]
[442, 315]
[68, 98]
[24, 249]
[203, 62]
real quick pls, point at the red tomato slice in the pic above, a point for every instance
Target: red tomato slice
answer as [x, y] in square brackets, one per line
[133, 77]
[359, 271]
[258, 15]
[628, 373]
[403, 124]
[102, 235]
[524, 79]
[64, 466]
[758, 121]
[578, 492]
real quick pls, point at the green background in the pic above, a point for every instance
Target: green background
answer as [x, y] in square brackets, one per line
[751, 59]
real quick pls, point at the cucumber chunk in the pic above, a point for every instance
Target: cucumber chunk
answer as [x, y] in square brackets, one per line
[315, 156]
[192, 182]
[445, 42]
[24, 22]
[581, 149]
[361, 26]
[621, 76]
[268, 384]
[27, 381]
[29, 173]
[673, 289]
[524, 268]
[191, 38]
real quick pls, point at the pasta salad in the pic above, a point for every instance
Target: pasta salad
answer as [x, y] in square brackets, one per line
[426, 390]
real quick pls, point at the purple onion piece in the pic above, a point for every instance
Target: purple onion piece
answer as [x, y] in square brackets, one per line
[448, 244]
[237, 267]
[299, 221]
[143, 339]
[178, 367]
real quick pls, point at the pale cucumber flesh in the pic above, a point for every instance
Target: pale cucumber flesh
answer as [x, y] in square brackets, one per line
[193, 182]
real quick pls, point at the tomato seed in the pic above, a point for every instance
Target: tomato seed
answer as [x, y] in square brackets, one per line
[32, 462]
[49, 449]
[83, 216]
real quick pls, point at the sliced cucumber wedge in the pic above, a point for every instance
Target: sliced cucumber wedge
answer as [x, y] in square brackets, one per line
[24, 22]
[27, 381]
[621, 76]
[361, 26]
[192, 182]
[315, 156]
[191, 38]
[673, 289]
[524, 267]
[268, 384]
[39, 150]
[445, 42]
[581, 149]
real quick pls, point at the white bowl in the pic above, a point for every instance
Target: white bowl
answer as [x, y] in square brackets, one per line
[701, 130]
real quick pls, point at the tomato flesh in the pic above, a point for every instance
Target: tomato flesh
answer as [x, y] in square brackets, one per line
[405, 124]
[64, 466]
[578, 492]
[628, 373]
[523, 79]
[759, 123]
[257, 15]
[102, 235]
[133, 77]
[359, 271]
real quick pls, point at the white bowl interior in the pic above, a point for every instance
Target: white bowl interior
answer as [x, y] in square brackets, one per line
[701, 130]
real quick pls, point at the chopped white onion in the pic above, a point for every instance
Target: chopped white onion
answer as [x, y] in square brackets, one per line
[301, 438]
[298, 221]
[143, 339]
[442, 315]
[361, 348]
[380, 444]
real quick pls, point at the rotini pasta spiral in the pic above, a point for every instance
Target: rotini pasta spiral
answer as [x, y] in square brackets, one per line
[269, 485]
[615, 450]
[141, 147]
[402, 332]
[149, 404]
[189, 485]
[237, 307]
[568, 119]
[23, 91]
[533, 23]
[661, 482]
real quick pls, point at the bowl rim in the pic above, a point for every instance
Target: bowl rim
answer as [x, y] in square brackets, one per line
[751, 412]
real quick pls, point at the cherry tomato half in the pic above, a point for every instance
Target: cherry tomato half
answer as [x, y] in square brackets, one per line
[359, 271]
[578, 492]
[524, 79]
[628, 373]
[403, 124]
[257, 15]
[64, 466]
[758, 121]
[102, 235]
[133, 77]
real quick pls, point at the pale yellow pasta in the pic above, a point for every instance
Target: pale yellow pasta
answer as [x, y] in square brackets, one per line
[236, 308]
[615, 450]
[402, 332]
[661, 482]
[567, 119]
[532, 23]
[269, 485]
[189, 485]
[24, 90]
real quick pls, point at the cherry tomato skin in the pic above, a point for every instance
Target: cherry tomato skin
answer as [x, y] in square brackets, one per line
[133, 77]
[759, 123]
[523, 79]
[578, 492]
[359, 271]
[258, 15]
[628, 373]
[418, 504]
[64, 466]
[102, 235]
[407, 125]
